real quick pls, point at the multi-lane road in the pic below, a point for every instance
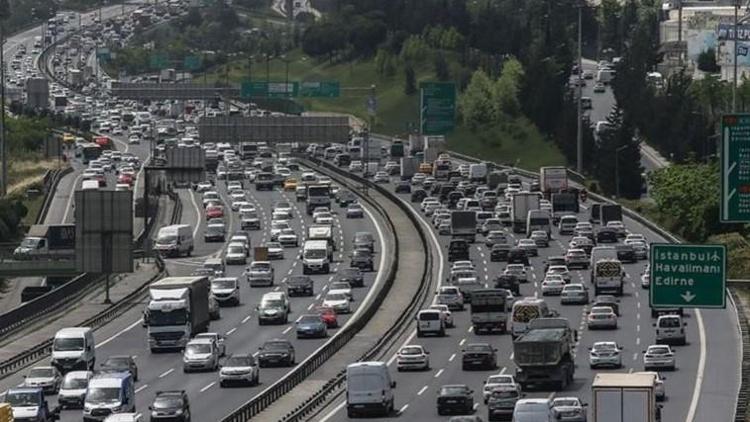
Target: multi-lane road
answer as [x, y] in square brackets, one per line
[704, 386]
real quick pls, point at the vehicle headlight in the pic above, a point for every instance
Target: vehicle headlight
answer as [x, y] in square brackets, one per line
[178, 412]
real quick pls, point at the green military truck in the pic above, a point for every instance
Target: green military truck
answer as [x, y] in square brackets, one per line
[543, 354]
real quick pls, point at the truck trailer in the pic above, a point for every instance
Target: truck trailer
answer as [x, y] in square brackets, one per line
[619, 397]
[177, 310]
[521, 204]
[543, 354]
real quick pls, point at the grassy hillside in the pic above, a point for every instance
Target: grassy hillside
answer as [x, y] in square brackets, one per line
[515, 142]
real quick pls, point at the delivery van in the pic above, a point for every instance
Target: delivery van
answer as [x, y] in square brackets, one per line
[369, 389]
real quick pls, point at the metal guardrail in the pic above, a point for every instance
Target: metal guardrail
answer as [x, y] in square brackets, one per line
[268, 396]
[332, 388]
[49, 193]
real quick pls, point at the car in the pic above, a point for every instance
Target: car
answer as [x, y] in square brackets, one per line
[418, 179]
[500, 380]
[450, 296]
[645, 280]
[540, 238]
[418, 195]
[381, 177]
[260, 273]
[170, 406]
[214, 233]
[275, 250]
[599, 88]
[660, 390]
[276, 352]
[48, 378]
[355, 210]
[659, 356]
[517, 270]
[200, 354]
[218, 340]
[640, 248]
[226, 290]
[636, 237]
[618, 227]
[576, 258]
[300, 285]
[496, 237]
[456, 398]
[329, 315]
[670, 329]
[236, 254]
[587, 74]
[352, 275]
[501, 402]
[72, 392]
[490, 225]
[626, 253]
[338, 301]
[576, 294]
[561, 270]
[403, 187]
[444, 228]
[287, 238]
[290, 184]
[529, 246]
[446, 314]
[569, 409]
[312, 325]
[605, 354]
[552, 285]
[120, 363]
[498, 253]
[608, 301]
[323, 218]
[362, 258]
[412, 357]
[239, 369]
[601, 317]
[481, 355]
[214, 211]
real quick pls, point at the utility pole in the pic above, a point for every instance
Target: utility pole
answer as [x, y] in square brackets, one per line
[734, 57]
[679, 30]
[4, 14]
[579, 106]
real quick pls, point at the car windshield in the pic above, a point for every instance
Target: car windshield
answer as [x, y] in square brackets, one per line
[658, 350]
[103, 394]
[68, 344]
[565, 402]
[271, 303]
[41, 373]
[75, 383]
[336, 296]
[167, 403]
[22, 399]
[240, 361]
[236, 250]
[117, 362]
[310, 319]
[260, 266]
[477, 348]
[197, 349]
[605, 346]
[669, 323]
[450, 390]
[411, 351]
[223, 283]
[276, 345]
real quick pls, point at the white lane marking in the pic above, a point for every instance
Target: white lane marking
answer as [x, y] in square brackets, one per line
[453, 356]
[422, 390]
[701, 368]
[141, 388]
[244, 320]
[167, 372]
[476, 405]
[635, 356]
[229, 333]
[503, 371]
[286, 330]
[461, 343]
[637, 341]
[118, 334]
[440, 372]
[197, 213]
[208, 386]
[71, 196]
[403, 408]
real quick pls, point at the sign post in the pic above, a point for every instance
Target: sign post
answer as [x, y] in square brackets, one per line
[437, 107]
[735, 168]
[688, 276]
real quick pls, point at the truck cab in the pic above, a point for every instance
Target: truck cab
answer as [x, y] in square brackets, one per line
[316, 257]
[29, 404]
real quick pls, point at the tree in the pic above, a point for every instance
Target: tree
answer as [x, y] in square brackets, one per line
[507, 88]
[707, 61]
[619, 154]
[610, 16]
[325, 38]
[410, 82]
[475, 103]
[441, 67]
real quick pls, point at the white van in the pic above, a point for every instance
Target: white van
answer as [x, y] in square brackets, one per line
[534, 410]
[369, 389]
[670, 329]
[430, 321]
[538, 220]
[73, 349]
[315, 257]
[602, 252]
[109, 393]
[605, 76]
[90, 185]
[568, 224]
[175, 240]
[526, 310]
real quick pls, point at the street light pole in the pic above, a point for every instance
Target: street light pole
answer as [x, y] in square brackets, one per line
[734, 57]
[617, 170]
[579, 105]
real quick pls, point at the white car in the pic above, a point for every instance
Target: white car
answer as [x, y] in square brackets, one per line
[338, 301]
[323, 218]
[412, 357]
[561, 270]
[462, 265]
[569, 409]
[355, 166]
[236, 254]
[288, 238]
[341, 287]
[605, 353]
[498, 381]
[601, 317]
[645, 280]
[552, 285]
[446, 313]
[203, 187]
[48, 378]
[635, 237]
[518, 270]
[418, 179]
[218, 340]
[659, 356]
[381, 177]
[239, 368]
[618, 227]
[134, 139]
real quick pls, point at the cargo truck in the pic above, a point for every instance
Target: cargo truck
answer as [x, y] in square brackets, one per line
[619, 397]
[553, 180]
[489, 310]
[48, 241]
[543, 354]
[409, 167]
[478, 173]
[564, 203]
[497, 180]
[464, 225]
[433, 147]
[416, 144]
[397, 149]
[177, 310]
[521, 204]
[322, 232]
[317, 196]
[607, 277]
[248, 150]
[610, 212]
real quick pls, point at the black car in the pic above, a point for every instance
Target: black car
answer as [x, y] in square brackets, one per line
[478, 355]
[299, 285]
[345, 198]
[606, 235]
[518, 256]
[499, 253]
[554, 260]
[453, 198]
[508, 282]
[403, 187]
[363, 259]
[353, 276]
[626, 254]
[456, 398]
[458, 250]
[276, 352]
[170, 406]
[418, 195]
[121, 363]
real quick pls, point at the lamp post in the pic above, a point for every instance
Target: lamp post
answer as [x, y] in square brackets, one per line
[617, 170]
[579, 105]
[4, 14]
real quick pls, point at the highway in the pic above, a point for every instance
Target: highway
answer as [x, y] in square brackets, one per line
[703, 387]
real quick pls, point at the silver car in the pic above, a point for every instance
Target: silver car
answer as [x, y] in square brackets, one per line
[48, 378]
[72, 391]
[575, 293]
[239, 369]
[659, 356]
[569, 409]
[605, 353]
[200, 354]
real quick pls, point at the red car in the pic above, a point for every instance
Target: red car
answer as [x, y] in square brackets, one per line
[125, 179]
[214, 211]
[328, 315]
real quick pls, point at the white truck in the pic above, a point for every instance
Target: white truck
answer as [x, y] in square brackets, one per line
[409, 167]
[433, 147]
[553, 180]
[318, 196]
[489, 310]
[48, 241]
[369, 389]
[607, 276]
[316, 257]
[619, 397]
[478, 172]
[521, 204]
[322, 232]
[177, 310]
[416, 144]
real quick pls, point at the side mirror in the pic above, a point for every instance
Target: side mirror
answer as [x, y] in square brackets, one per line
[151, 408]
[393, 384]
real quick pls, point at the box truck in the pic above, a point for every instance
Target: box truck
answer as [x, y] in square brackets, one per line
[177, 310]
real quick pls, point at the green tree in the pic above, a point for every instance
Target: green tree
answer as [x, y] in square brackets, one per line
[610, 17]
[410, 81]
[507, 88]
[476, 103]
[618, 152]
[441, 67]
[707, 61]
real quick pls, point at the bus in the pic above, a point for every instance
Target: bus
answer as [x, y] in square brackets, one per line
[525, 310]
[90, 151]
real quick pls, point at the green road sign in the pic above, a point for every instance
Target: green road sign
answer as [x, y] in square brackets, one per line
[192, 62]
[103, 54]
[691, 276]
[735, 168]
[159, 61]
[269, 89]
[437, 107]
[329, 89]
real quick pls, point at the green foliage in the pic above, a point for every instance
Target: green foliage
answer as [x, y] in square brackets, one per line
[415, 49]
[619, 151]
[738, 253]
[475, 103]
[410, 82]
[707, 61]
[508, 87]
[442, 72]
[12, 213]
